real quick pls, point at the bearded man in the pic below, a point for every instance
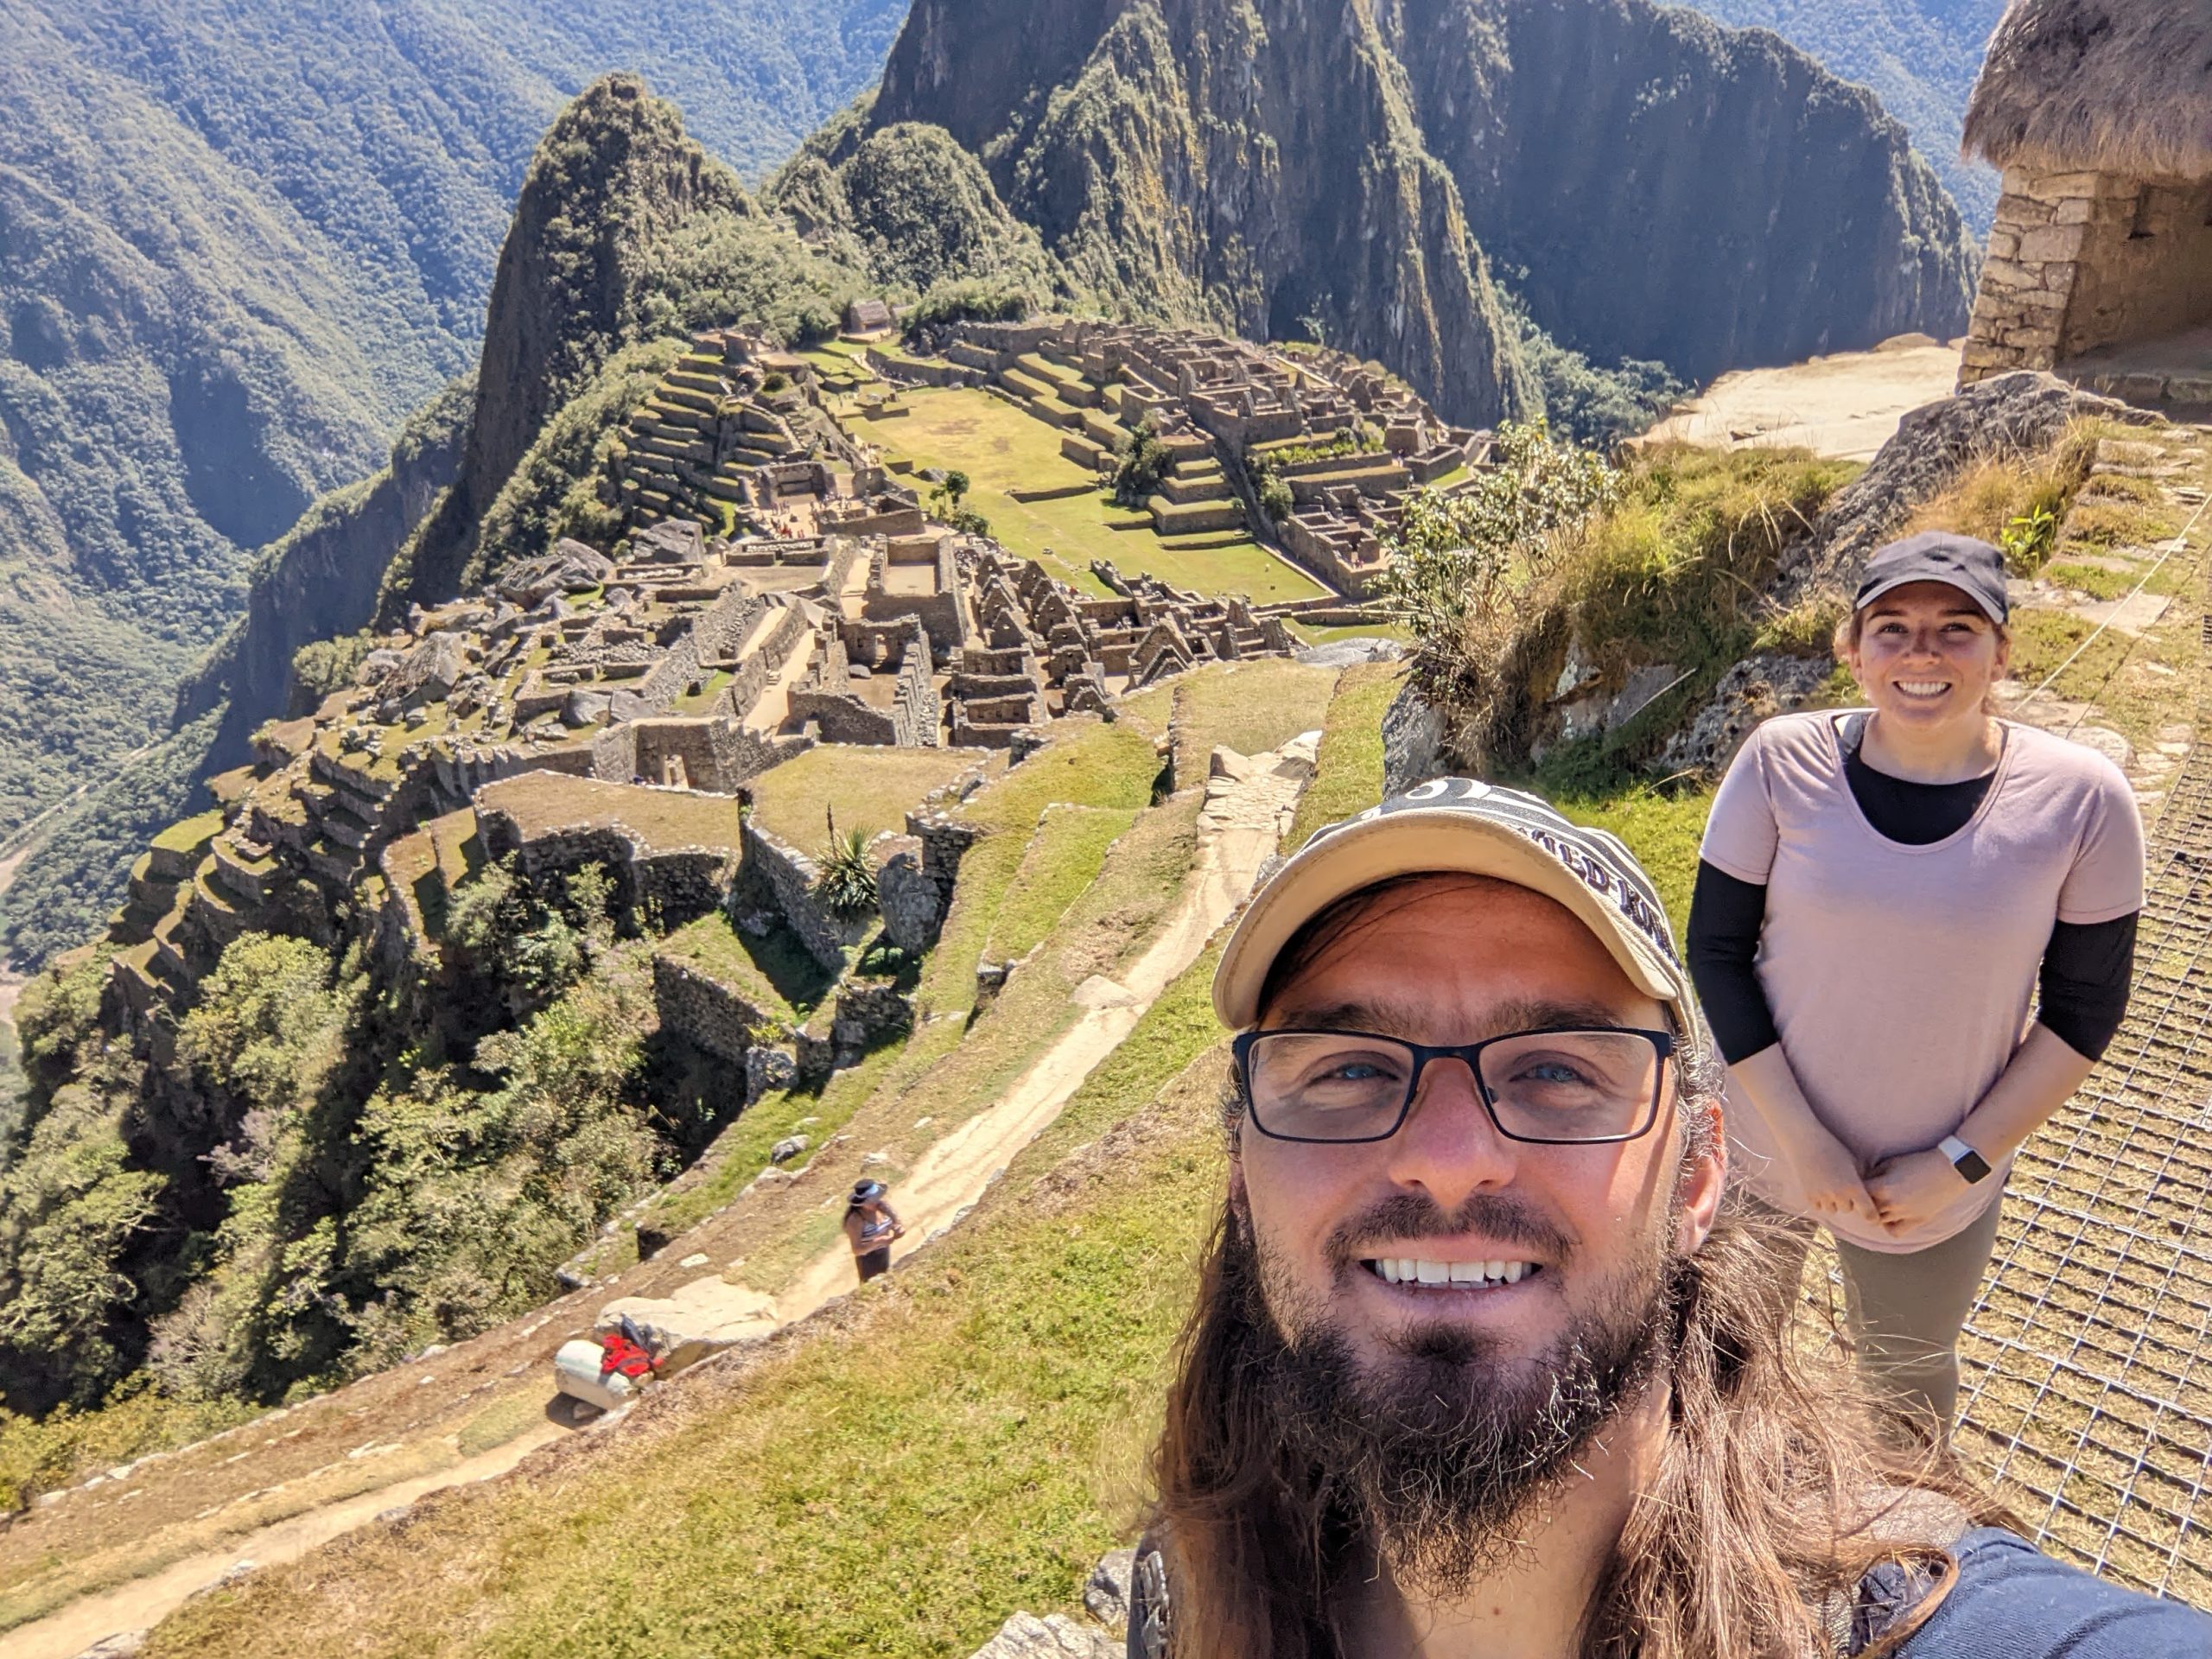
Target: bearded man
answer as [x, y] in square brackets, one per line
[1480, 1365]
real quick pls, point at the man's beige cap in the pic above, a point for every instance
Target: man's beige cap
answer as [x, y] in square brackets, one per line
[1458, 826]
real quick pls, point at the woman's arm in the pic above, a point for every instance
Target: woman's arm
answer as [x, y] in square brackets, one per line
[1725, 915]
[2087, 972]
[1916, 1187]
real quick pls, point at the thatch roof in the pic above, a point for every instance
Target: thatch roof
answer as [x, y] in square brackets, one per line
[2109, 85]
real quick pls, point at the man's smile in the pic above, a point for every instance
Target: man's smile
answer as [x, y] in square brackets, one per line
[1426, 1273]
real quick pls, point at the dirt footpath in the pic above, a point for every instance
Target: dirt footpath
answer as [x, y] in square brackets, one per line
[1249, 802]
[1847, 406]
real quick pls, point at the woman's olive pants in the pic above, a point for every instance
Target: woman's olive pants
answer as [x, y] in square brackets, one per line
[1904, 1313]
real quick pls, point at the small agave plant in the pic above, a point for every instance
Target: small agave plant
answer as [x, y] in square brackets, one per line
[845, 878]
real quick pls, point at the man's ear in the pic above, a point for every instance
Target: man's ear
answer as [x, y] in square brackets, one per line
[1240, 1201]
[1703, 1183]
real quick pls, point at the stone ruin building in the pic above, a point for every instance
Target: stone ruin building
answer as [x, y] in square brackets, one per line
[2099, 264]
[618, 706]
[1347, 439]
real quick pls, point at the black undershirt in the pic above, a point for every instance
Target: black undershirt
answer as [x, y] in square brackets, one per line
[2087, 967]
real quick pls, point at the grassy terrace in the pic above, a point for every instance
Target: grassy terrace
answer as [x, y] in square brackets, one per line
[870, 790]
[773, 973]
[1002, 448]
[545, 802]
[193, 834]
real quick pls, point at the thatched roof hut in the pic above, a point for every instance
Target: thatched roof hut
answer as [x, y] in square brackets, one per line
[2121, 86]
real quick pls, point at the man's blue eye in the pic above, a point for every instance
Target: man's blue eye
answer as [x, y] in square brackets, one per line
[1552, 1072]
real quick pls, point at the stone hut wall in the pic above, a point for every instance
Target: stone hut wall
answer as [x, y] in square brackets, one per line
[703, 1010]
[2080, 260]
[786, 877]
[674, 886]
[918, 716]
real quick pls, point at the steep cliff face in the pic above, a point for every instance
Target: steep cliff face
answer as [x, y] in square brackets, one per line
[1250, 164]
[1656, 186]
[322, 579]
[1710, 197]
[615, 175]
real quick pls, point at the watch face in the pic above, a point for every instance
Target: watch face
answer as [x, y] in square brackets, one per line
[1972, 1167]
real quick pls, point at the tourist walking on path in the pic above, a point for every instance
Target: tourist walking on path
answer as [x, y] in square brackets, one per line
[871, 1227]
[1882, 894]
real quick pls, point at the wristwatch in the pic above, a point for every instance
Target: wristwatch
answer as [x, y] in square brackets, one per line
[1964, 1158]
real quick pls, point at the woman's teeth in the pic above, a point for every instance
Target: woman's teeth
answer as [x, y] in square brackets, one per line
[1923, 688]
[1411, 1270]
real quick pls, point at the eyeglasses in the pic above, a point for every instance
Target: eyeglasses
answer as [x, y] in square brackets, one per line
[1549, 1088]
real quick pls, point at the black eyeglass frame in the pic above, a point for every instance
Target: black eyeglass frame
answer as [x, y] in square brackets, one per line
[1664, 1043]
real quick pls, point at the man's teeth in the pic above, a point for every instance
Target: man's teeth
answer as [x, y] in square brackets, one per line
[1412, 1270]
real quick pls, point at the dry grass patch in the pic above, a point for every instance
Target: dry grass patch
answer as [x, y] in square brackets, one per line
[870, 790]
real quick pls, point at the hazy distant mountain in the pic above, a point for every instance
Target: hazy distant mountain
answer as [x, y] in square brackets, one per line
[1920, 56]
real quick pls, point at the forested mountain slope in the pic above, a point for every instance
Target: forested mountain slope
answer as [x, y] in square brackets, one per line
[1920, 56]
[1373, 172]
[239, 242]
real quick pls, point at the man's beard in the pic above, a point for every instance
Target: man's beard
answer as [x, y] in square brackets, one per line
[1445, 1451]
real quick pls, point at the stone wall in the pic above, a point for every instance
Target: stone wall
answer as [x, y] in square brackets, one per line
[786, 877]
[667, 886]
[703, 1010]
[2082, 260]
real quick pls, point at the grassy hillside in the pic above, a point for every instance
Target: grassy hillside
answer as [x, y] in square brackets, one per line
[896, 1478]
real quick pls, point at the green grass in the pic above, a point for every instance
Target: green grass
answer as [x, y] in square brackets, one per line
[1661, 828]
[1248, 707]
[1085, 765]
[958, 1441]
[870, 790]
[2042, 639]
[1002, 448]
[2090, 579]
[1062, 859]
[1313, 636]
[773, 973]
[1350, 778]
[193, 835]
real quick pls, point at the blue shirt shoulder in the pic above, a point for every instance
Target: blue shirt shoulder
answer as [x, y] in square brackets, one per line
[2012, 1601]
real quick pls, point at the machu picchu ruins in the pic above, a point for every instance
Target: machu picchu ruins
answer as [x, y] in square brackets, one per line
[782, 587]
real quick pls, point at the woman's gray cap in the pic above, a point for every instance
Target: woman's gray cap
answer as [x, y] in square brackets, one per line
[1975, 569]
[1457, 826]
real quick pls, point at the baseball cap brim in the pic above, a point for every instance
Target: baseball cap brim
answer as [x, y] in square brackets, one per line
[1907, 578]
[1412, 843]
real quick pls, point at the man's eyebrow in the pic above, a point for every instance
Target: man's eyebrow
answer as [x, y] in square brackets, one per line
[1390, 1018]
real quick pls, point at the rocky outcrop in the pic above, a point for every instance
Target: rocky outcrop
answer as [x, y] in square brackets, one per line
[2014, 414]
[1279, 168]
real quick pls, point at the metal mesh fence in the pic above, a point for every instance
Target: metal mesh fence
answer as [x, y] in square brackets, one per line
[2086, 1378]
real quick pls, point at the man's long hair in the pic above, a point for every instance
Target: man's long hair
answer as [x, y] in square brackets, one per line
[1778, 1489]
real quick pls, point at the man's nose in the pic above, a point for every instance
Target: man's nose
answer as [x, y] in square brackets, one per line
[1448, 1147]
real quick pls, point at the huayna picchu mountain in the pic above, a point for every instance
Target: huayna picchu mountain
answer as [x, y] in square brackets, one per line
[1653, 186]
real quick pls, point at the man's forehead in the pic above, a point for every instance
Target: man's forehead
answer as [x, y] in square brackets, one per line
[1395, 1010]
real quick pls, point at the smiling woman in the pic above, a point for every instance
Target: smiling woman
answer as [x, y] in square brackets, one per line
[1881, 894]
